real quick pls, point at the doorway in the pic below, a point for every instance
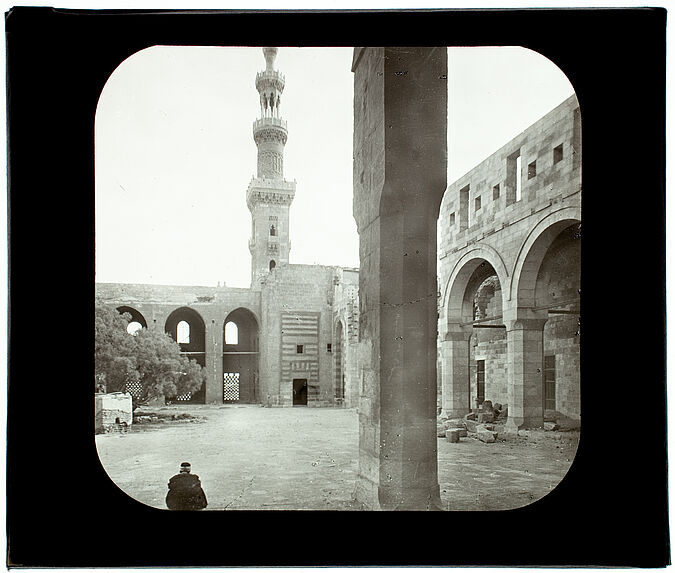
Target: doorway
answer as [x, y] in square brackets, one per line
[549, 382]
[299, 392]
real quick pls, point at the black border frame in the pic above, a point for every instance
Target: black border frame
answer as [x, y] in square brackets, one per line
[611, 509]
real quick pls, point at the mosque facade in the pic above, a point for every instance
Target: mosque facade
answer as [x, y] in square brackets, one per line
[288, 340]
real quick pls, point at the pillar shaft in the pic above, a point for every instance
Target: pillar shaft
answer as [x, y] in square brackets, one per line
[456, 383]
[400, 107]
[525, 346]
[214, 362]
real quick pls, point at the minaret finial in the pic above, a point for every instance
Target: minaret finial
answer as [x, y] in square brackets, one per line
[270, 55]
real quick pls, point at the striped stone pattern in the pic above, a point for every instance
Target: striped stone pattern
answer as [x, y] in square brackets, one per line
[300, 328]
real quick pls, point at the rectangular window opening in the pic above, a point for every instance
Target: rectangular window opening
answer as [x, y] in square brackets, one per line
[299, 349]
[532, 170]
[557, 154]
[329, 347]
[452, 218]
[518, 178]
[549, 383]
[480, 381]
[513, 177]
[477, 203]
[495, 192]
[464, 208]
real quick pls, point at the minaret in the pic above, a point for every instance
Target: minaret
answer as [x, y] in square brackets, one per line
[269, 196]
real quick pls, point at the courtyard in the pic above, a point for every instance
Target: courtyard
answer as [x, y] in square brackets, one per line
[250, 458]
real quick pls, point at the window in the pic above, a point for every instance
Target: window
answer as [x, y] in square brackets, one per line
[183, 332]
[477, 203]
[273, 231]
[557, 154]
[133, 327]
[513, 177]
[549, 382]
[480, 381]
[299, 349]
[329, 347]
[464, 208]
[272, 265]
[532, 170]
[231, 333]
[518, 178]
[495, 192]
[452, 219]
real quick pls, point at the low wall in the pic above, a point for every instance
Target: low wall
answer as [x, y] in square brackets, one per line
[112, 410]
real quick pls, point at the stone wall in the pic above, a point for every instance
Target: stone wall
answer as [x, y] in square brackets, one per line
[346, 310]
[212, 305]
[530, 240]
[112, 411]
[296, 290]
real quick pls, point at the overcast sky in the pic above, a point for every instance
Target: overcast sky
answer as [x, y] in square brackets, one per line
[175, 152]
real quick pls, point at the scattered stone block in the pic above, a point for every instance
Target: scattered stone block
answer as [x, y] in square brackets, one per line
[452, 435]
[486, 436]
[550, 426]
[471, 425]
[440, 430]
[470, 416]
[485, 417]
[463, 433]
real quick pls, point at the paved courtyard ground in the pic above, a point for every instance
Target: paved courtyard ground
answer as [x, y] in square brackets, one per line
[250, 457]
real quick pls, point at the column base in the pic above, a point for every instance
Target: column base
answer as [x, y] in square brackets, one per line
[513, 425]
[372, 497]
[454, 413]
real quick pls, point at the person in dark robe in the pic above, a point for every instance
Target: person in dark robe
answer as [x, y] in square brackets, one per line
[185, 490]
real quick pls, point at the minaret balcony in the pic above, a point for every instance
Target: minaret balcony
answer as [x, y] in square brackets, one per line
[270, 79]
[270, 191]
[270, 122]
[270, 129]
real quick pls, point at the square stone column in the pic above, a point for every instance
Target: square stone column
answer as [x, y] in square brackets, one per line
[400, 116]
[214, 361]
[456, 396]
[525, 348]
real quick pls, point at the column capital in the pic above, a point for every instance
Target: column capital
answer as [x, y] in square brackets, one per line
[458, 333]
[525, 324]
[524, 318]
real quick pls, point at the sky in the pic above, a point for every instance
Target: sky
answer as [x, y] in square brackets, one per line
[175, 152]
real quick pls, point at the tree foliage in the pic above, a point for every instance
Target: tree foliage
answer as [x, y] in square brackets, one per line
[149, 360]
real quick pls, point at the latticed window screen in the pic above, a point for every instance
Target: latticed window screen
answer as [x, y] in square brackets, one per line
[134, 388]
[183, 397]
[230, 386]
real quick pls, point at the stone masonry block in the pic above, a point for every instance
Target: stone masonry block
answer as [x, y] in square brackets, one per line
[452, 435]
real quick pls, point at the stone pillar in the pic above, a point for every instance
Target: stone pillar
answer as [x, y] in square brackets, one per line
[456, 397]
[213, 348]
[400, 116]
[525, 348]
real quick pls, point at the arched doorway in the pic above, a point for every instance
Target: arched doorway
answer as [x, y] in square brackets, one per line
[240, 357]
[549, 283]
[187, 327]
[474, 344]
